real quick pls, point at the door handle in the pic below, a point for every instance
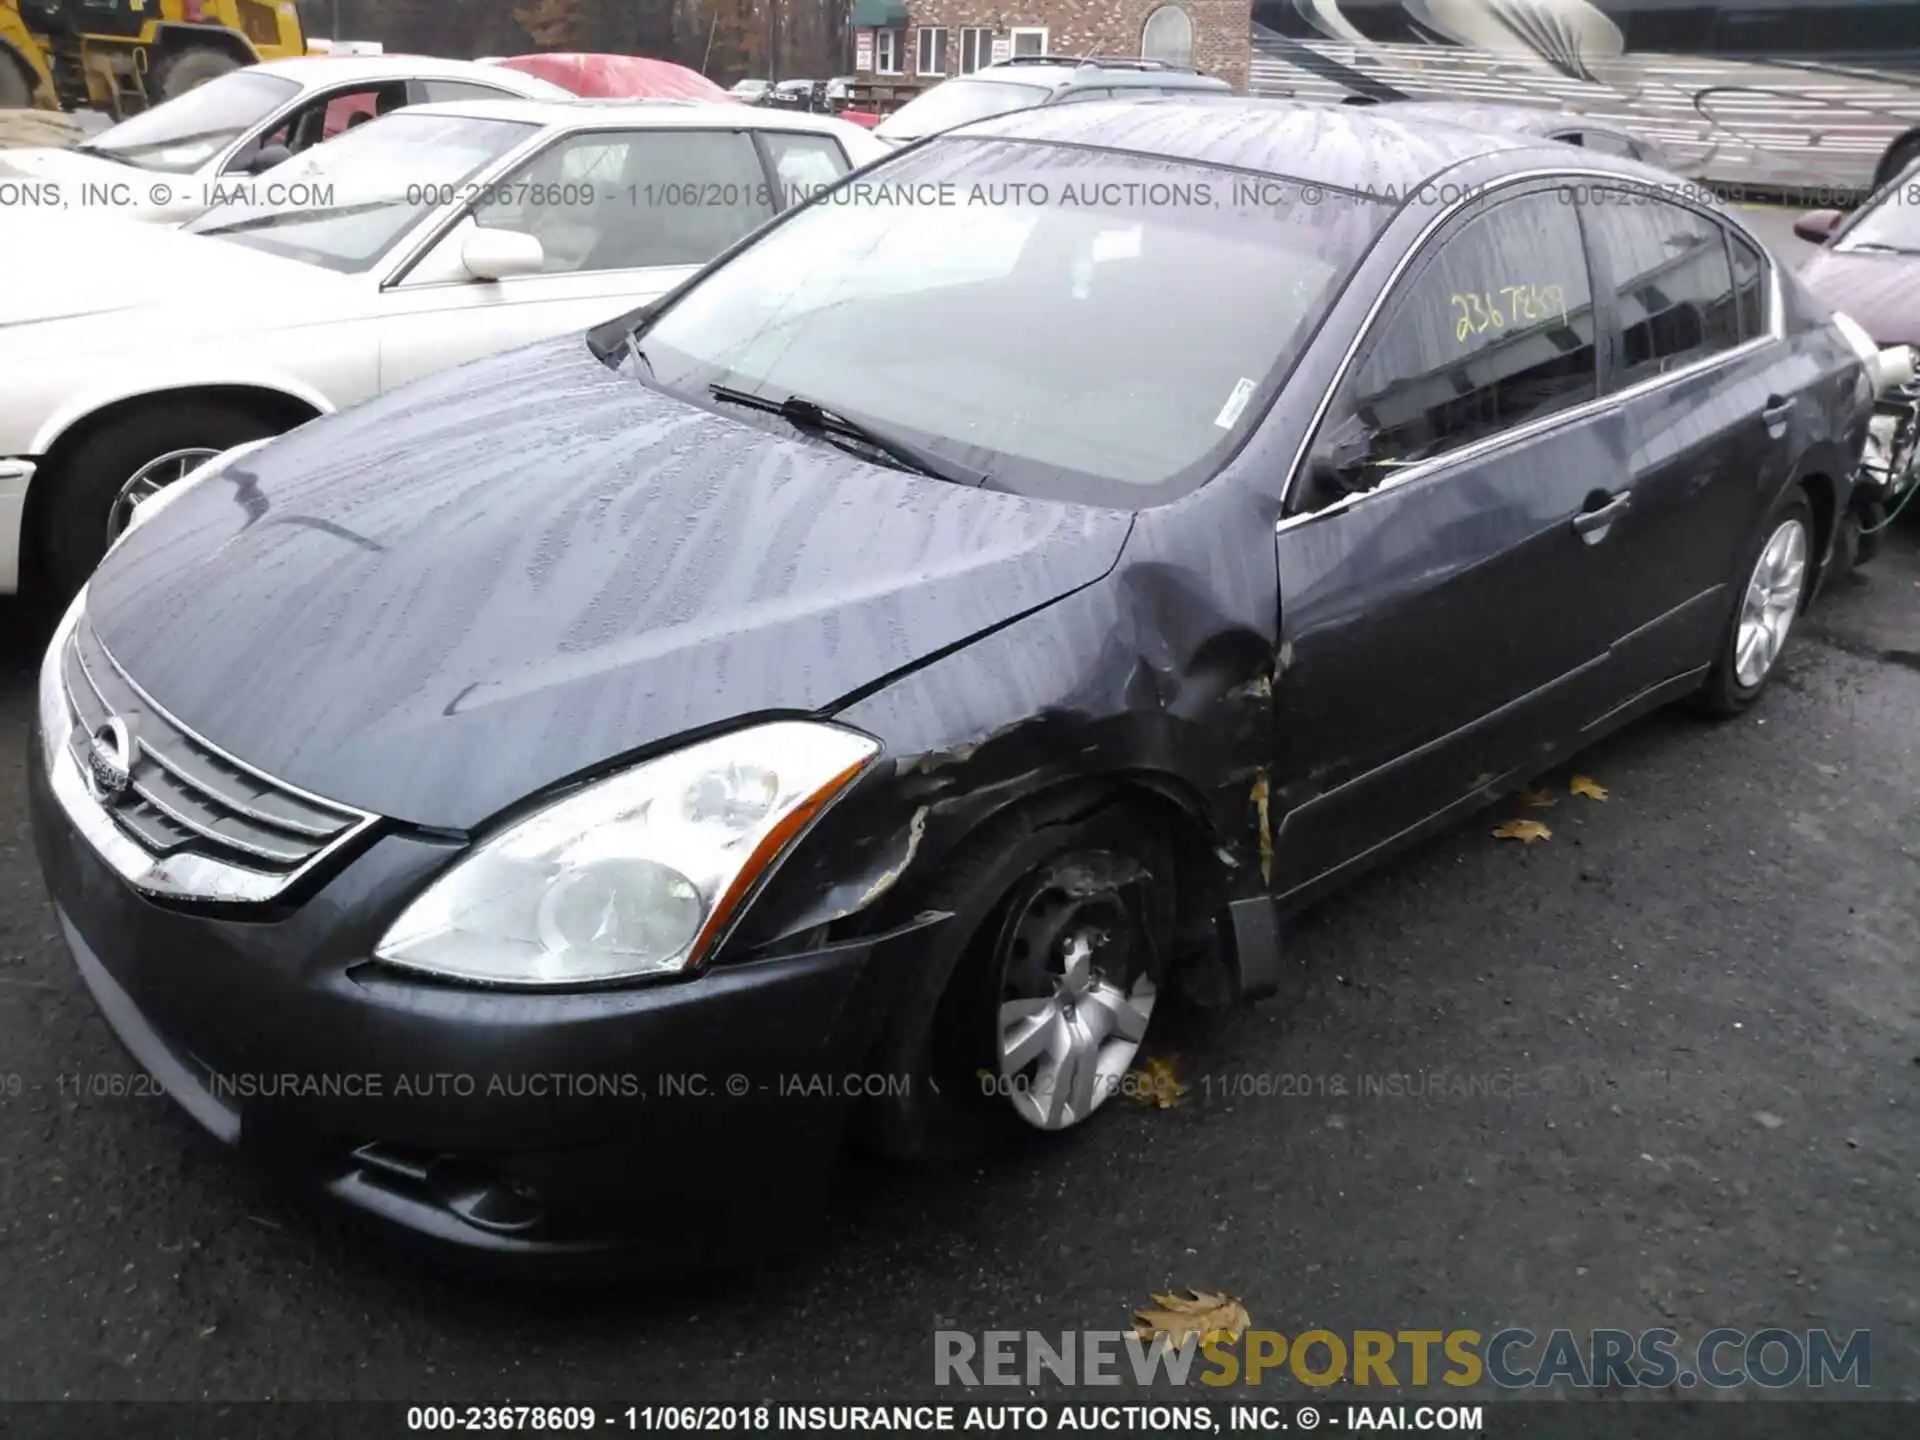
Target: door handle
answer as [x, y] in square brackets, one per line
[1587, 521]
[1777, 413]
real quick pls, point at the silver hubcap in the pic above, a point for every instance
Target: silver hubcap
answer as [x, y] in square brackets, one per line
[148, 481]
[1771, 602]
[1065, 1054]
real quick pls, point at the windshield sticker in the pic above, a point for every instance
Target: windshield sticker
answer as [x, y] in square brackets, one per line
[1236, 402]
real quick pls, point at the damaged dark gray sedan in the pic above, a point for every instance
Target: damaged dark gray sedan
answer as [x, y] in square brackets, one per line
[553, 806]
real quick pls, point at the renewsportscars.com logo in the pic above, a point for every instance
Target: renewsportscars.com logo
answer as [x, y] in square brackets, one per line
[1514, 1359]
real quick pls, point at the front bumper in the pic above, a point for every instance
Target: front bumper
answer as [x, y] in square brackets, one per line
[685, 1123]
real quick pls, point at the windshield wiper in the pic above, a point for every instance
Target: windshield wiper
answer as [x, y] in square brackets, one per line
[811, 416]
[1875, 247]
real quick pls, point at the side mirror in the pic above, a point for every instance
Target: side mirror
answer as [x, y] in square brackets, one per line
[501, 254]
[266, 157]
[1817, 225]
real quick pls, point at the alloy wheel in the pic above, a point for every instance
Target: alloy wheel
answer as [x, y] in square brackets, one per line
[1771, 602]
[148, 481]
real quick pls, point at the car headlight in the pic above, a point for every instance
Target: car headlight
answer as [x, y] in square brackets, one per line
[56, 719]
[637, 875]
[147, 509]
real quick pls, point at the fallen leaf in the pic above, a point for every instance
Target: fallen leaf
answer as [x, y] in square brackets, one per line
[1585, 785]
[1157, 1083]
[1538, 799]
[1526, 831]
[1197, 1313]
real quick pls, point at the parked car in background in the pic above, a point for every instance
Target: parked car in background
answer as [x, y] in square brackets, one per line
[799, 95]
[415, 242]
[757, 688]
[1025, 81]
[618, 77]
[753, 92]
[167, 164]
[1868, 266]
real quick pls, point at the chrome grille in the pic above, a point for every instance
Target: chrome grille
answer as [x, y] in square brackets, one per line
[183, 797]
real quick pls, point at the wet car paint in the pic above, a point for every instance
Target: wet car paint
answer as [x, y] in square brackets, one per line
[399, 557]
[368, 606]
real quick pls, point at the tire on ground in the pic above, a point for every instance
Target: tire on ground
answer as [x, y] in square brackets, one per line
[940, 1036]
[1722, 695]
[15, 92]
[83, 488]
[188, 69]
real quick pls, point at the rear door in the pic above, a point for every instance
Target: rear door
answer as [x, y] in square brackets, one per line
[1707, 395]
[1445, 622]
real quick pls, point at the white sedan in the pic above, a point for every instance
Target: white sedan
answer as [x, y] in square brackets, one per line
[169, 163]
[427, 238]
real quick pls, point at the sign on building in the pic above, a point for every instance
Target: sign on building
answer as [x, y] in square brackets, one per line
[863, 50]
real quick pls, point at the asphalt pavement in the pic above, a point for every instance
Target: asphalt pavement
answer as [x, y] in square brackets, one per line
[1703, 994]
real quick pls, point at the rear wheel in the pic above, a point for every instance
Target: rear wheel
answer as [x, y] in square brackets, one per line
[1038, 993]
[189, 70]
[122, 464]
[1772, 588]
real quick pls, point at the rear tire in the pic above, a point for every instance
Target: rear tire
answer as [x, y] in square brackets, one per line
[1776, 568]
[1007, 897]
[86, 488]
[15, 92]
[189, 70]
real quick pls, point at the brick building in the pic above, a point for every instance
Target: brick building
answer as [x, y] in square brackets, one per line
[922, 42]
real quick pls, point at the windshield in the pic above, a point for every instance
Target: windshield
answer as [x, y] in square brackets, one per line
[1891, 224]
[343, 205]
[1072, 323]
[955, 102]
[191, 129]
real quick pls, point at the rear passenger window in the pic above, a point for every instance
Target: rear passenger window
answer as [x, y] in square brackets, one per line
[1750, 280]
[805, 164]
[1497, 330]
[1670, 269]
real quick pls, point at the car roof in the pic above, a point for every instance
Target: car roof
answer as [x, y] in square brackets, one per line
[308, 70]
[1094, 70]
[1529, 119]
[1338, 146]
[674, 114]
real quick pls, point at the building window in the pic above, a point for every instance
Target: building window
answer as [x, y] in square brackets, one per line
[1029, 40]
[976, 48]
[931, 55]
[886, 52]
[1168, 36]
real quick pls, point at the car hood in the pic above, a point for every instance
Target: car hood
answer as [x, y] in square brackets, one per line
[1882, 292]
[181, 286]
[467, 590]
[103, 189]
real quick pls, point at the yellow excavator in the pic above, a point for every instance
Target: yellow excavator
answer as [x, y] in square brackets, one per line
[124, 55]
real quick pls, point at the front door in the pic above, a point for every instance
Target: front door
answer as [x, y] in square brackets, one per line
[1444, 611]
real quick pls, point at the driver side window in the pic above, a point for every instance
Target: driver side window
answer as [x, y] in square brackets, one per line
[1492, 332]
